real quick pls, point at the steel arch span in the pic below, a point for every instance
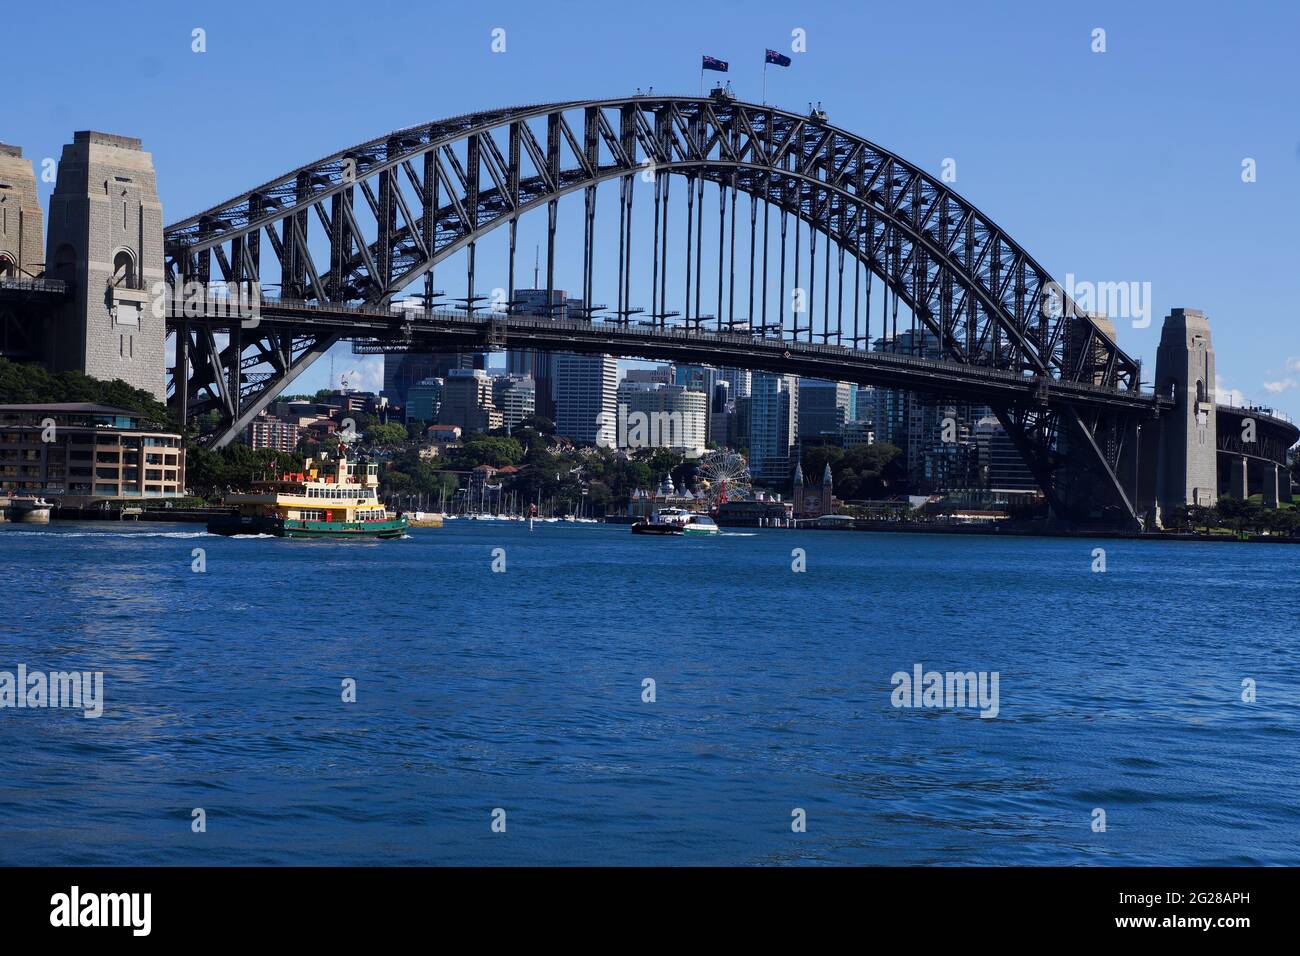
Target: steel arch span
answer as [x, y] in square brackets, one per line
[388, 210]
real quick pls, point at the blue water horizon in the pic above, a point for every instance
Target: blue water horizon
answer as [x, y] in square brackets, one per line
[523, 691]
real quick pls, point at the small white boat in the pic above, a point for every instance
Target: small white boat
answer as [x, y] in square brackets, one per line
[30, 510]
[677, 521]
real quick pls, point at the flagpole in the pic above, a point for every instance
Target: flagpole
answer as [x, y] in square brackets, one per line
[764, 79]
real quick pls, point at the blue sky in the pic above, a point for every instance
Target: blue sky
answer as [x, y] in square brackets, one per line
[1117, 166]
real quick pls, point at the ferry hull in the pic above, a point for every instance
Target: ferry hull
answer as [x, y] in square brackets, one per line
[642, 527]
[286, 528]
[687, 531]
[23, 515]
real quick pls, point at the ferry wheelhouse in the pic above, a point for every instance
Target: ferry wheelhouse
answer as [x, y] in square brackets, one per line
[329, 498]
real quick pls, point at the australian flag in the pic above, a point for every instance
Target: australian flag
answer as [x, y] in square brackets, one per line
[777, 58]
[713, 63]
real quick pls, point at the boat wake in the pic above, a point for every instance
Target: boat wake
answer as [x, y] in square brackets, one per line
[120, 534]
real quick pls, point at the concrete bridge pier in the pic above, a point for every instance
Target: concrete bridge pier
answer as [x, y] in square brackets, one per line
[1239, 479]
[1271, 476]
[1179, 465]
[22, 239]
[105, 241]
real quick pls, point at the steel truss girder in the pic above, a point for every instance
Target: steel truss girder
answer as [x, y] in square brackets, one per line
[1273, 437]
[212, 369]
[733, 138]
[963, 277]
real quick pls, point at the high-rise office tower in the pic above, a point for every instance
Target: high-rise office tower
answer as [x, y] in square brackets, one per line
[773, 426]
[585, 392]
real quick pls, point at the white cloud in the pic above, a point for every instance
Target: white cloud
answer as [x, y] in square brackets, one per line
[1230, 396]
[1274, 388]
[368, 374]
[1293, 365]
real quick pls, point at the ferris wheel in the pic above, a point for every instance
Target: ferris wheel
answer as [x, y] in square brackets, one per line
[724, 476]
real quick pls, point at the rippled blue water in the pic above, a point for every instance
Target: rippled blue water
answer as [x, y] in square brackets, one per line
[522, 690]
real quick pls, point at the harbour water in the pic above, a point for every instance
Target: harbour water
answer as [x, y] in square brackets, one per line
[523, 689]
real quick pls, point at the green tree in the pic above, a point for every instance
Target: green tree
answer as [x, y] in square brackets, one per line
[1241, 516]
[1177, 518]
[536, 423]
[1200, 516]
[869, 471]
[211, 472]
[22, 384]
[816, 458]
[489, 450]
[600, 496]
[386, 434]
[1282, 521]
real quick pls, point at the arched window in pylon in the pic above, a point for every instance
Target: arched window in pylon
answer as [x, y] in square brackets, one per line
[124, 270]
[8, 268]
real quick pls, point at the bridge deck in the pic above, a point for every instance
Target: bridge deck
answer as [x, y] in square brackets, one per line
[455, 330]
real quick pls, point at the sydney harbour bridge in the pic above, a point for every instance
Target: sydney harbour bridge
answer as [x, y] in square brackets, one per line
[818, 243]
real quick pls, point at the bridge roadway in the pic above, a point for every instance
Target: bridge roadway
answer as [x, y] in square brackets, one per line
[1275, 433]
[449, 330]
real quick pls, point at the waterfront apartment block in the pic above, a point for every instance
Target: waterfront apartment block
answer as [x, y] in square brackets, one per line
[78, 453]
[656, 415]
[267, 431]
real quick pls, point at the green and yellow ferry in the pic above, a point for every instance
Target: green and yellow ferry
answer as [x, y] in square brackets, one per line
[329, 498]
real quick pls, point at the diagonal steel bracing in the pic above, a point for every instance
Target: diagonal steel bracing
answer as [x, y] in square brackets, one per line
[431, 190]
